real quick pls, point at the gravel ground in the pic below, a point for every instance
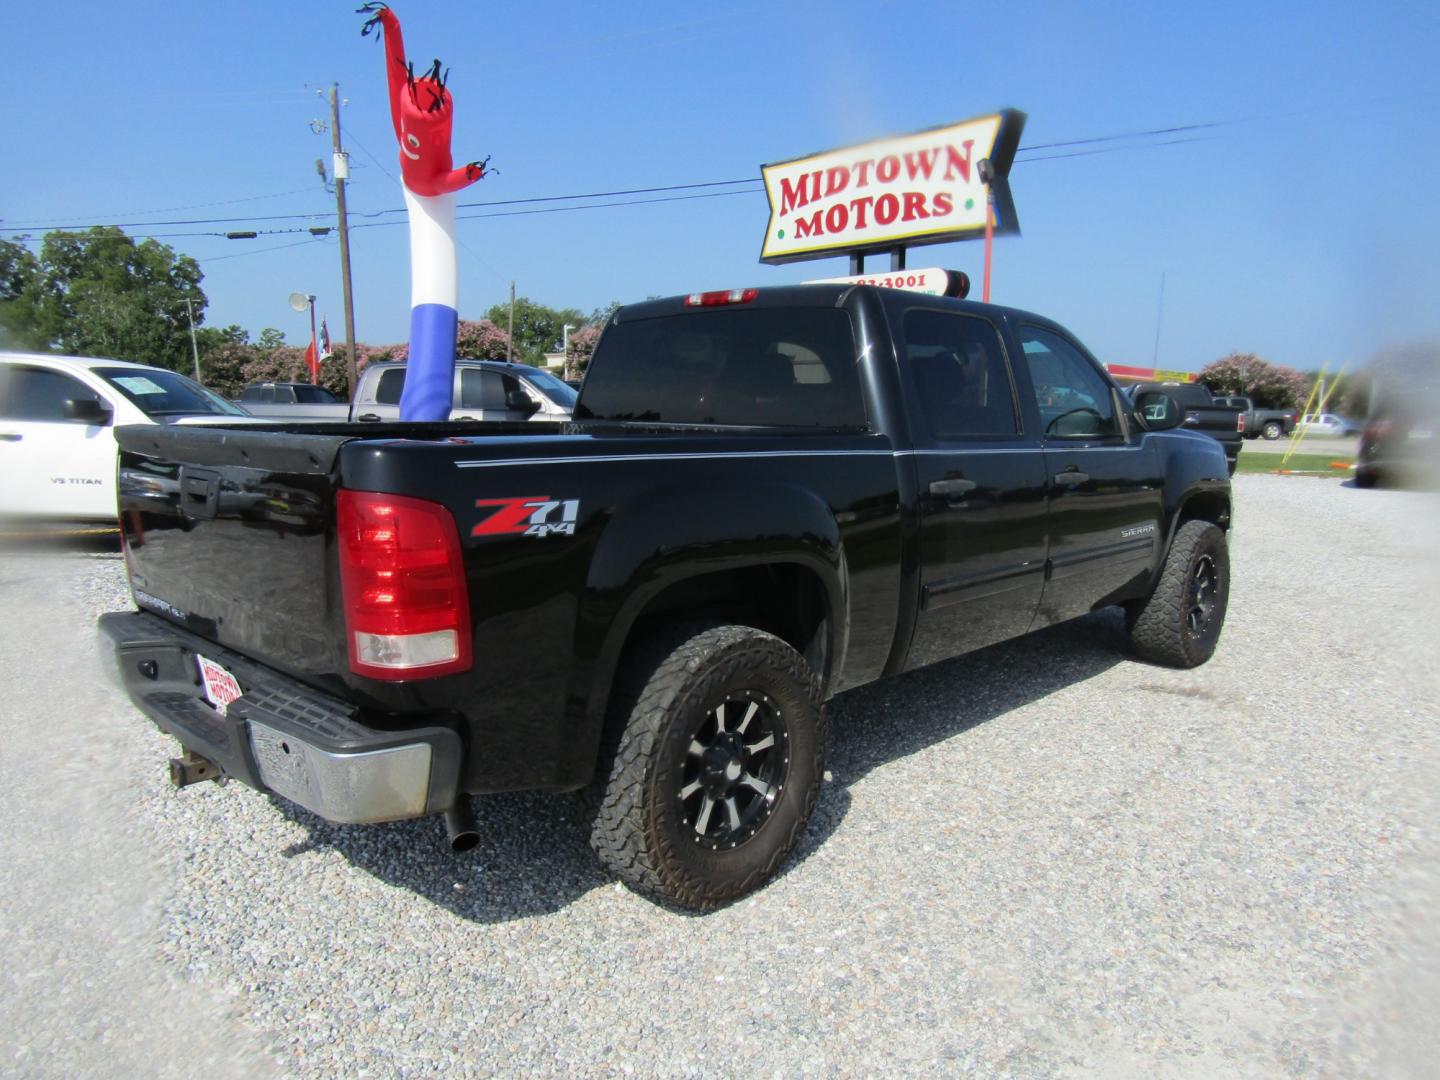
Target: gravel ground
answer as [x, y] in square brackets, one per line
[1042, 860]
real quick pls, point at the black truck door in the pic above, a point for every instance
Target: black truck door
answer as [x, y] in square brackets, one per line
[981, 481]
[1104, 480]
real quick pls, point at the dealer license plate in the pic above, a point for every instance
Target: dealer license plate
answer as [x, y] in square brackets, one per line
[220, 686]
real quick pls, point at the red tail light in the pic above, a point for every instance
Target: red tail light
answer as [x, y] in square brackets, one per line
[721, 297]
[1240, 422]
[407, 613]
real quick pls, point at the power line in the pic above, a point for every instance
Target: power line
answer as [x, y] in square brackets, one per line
[1130, 135]
[191, 206]
[259, 251]
[750, 185]
[1122, 149]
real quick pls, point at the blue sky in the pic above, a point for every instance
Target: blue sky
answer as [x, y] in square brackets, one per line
[1306, 228]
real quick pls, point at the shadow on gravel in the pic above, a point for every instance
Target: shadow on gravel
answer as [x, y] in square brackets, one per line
[889, 720]
[534, 855]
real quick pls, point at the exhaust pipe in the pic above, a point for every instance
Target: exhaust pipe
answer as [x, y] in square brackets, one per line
[460, 825]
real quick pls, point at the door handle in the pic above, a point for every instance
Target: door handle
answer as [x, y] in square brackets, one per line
[10, 436]
[368, 418]
[1071, 478]
[951, 488]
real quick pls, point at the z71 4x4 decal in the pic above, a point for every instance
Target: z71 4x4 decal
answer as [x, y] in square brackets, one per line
[530, 515]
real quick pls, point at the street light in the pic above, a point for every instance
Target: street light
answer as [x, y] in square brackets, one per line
[299, 302]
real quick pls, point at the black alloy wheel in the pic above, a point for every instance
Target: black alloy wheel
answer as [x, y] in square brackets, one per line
[1204, 589]
[735, 770]
[1179, 624]
[713, 764]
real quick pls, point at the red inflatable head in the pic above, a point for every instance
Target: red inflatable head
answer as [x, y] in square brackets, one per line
[423, 112]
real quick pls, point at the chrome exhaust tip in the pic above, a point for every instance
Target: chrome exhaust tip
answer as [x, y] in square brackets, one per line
[460, 825]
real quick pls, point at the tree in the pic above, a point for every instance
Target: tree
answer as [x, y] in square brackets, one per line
[481, 339]
[105, 295]
[582, 347]
[538, 329]
[223, 356]
[1271, 386]
[21, 291]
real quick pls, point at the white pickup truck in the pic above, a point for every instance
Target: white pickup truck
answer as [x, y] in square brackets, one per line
[57, 428]
[484, 390]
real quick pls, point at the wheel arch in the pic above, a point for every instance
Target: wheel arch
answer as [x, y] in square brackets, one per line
[767, 556]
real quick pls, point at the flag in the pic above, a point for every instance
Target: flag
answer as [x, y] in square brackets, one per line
[312, 362]
[325, 351]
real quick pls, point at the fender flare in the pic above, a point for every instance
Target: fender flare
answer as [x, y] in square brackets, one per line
[682, 533]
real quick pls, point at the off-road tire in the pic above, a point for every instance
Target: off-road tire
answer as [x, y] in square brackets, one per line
[669, 690]
[1272, 430]
[1179, 624]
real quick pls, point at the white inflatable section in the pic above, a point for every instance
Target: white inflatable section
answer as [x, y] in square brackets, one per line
[432, 248]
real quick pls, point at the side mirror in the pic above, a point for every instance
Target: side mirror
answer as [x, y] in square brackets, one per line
[1158, 411]
[88, 411]
[519, 401]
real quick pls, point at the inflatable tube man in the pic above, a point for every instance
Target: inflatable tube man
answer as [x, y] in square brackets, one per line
[422, 112]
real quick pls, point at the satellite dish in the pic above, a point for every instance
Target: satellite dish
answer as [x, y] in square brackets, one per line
[299, 301]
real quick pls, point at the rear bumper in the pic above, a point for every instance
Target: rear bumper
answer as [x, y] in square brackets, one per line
[282, 736]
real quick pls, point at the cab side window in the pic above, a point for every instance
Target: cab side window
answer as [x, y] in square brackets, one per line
[1074, 399]
[37, 394]
[388, 389]
[961, 378]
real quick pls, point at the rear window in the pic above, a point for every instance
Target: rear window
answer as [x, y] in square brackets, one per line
[790, 367]
[315, 395]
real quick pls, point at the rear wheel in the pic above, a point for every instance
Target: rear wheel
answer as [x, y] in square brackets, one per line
[1179, 624]
[717, 766]
[1272, 429]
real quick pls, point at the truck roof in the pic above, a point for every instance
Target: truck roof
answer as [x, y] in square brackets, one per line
[824, 295]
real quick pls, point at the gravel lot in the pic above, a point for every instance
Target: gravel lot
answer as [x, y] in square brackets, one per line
[1045, 859]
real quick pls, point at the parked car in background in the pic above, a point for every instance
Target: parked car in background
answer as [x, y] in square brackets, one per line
[1399, 444]
[57, 422]
[1270, 423]
[1223, 423]
[484, 390]
[293, 401]
[1327, 424]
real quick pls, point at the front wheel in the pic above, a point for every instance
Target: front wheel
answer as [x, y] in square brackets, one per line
[1179, 624]
[717, 767]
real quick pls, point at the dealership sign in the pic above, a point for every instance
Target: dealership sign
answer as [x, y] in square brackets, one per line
[931, 281]
[923, 188]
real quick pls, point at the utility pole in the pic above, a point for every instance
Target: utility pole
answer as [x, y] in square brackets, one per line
[342, 173]
[194, 348]
[1159, 314]
[510, 334]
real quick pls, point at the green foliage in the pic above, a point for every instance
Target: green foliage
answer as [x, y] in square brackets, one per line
[538, 329]
[21, 292]
[105, 295]
[270, 339]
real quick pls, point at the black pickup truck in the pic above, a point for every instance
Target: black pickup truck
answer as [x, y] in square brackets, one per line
[767, 497]
[1257, 422]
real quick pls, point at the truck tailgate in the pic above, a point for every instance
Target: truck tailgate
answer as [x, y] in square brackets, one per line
[229, 532]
